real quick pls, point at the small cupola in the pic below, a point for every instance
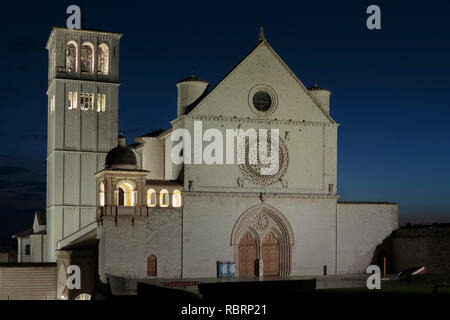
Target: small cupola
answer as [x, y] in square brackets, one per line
[190, 90]
[121, 157]
[322, 95]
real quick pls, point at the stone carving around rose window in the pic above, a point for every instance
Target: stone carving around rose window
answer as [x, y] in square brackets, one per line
[252, 171]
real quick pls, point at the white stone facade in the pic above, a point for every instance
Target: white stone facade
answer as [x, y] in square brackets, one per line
[82, 125]
[221, 203]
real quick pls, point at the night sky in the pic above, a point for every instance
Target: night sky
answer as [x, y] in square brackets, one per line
[390, 86]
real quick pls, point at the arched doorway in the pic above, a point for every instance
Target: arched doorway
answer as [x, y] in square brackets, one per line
[84, 296]
[247, 255]
[151, 266]
[126, 194]
[271, 255]
[269, 234]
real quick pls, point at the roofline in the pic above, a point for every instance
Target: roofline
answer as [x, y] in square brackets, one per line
[367, 202]
[261, 43]
[111, 170]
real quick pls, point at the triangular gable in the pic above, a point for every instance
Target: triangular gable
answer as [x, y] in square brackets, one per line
[310, 100]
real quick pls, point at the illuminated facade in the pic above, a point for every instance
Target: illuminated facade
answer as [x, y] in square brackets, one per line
[83, 87]
[129, 212]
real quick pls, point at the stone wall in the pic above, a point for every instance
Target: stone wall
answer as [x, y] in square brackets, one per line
[427, 246]
[126, 244]
[210, 220]
[361, 227]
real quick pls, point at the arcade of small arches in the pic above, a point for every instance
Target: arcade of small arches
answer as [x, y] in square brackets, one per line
[83, 60]
[125, 194]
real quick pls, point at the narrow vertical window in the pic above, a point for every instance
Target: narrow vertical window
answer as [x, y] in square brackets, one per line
[99, 102]
[164, 198]
[74, 100]
[87, 61]
[151, 198]
[71, 56]
[103, 59]
[82, 101]
[103, 102]
[70, 100]
[53, 64]
[52, 103]
[101, 194]
[176, 198]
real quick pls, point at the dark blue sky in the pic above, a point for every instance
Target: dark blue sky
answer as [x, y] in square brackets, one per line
[390, 87]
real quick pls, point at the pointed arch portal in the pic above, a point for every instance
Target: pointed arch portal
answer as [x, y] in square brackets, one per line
[263, 233]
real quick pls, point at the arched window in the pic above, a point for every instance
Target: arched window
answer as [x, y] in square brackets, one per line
[27, 250]
[83, 296]
[103, 58]
[101, 194]
[176, 198]
[151, 266]
[125, 194]
[164, 198]
[87, 57]
[151, 198]
[71, 56]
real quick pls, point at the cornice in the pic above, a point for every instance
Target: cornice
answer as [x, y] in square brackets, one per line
[253, 120]
[261, 195]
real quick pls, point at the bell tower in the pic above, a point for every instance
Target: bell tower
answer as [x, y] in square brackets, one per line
[83, 92]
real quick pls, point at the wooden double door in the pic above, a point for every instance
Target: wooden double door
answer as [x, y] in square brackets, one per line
[248, 253]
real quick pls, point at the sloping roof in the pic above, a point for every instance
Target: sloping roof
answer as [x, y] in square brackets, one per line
[41, 218]
[122, 170]
[192, 78]
[152, 134]
[262, 43]
[23, 234]
[316, 87]
[134, 145]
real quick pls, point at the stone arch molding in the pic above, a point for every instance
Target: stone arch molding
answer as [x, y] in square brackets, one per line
[259, 220]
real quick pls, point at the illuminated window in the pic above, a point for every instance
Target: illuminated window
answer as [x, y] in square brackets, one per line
[73, 100]
[83, 296]
[71, 56]
[176, 198]
[87, 61]
[125, 194]
[101, 194]
[101, 104]
[164, 198]
[86, 101]
[151, 198]
[52, 103]
[103, 59]
[52, 64]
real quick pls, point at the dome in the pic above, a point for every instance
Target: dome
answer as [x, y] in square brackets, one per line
[192, 78]
[121, 157]
[315, 87]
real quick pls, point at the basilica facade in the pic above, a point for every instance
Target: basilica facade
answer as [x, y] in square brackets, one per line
[138, 215]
